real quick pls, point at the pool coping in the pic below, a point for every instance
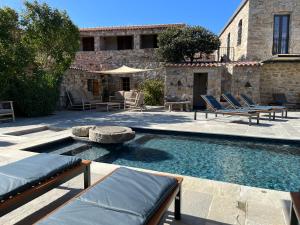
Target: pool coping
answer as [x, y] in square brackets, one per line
[218, 135]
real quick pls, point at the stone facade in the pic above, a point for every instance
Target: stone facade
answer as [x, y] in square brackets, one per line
[236, 78]
[239, 50]
[280, 78]
[98, 60]
[261, 22]
[185, 76]
[258, 25]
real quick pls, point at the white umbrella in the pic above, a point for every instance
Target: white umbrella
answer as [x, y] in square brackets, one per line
[123, 70]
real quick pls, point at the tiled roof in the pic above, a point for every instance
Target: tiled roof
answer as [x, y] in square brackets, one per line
[134, 27]
[78, 68]
[214, 64]
[198, 64]
[247, 63]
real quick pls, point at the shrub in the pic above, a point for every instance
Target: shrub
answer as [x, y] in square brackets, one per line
[153, 91]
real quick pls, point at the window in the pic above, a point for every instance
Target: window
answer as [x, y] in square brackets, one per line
[116, 42]
[125, 83]
[148, 41]
[125, 42]
[240, 32]
[87, 44]
[281, 34]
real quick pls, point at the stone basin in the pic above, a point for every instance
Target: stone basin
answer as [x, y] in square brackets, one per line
[111, 134]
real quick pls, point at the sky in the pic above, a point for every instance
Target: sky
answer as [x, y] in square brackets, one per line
[212, 14]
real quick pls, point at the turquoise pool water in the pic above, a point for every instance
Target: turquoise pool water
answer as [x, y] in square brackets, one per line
[247, 162]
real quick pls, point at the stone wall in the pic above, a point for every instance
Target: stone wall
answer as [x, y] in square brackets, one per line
[236, 78]
[261, 21]
[78, 79]
[240, 51]
[280, 77]
[186, 77]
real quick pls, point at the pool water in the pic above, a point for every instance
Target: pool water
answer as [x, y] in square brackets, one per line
[246, 162]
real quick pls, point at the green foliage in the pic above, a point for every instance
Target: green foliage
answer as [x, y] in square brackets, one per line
[35, 51]
[181, 44]
[153, 90]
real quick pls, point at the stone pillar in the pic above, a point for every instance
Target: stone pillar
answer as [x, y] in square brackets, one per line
[136, 41]
[97, 43]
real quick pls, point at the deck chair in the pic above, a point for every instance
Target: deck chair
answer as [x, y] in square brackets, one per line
[91, 99]
[7, 110]
[217, 108]
[27, 179]
[125, 196]
[281, 100]
[250, 103]
[235, 104]
[77, 101]
[135, 103]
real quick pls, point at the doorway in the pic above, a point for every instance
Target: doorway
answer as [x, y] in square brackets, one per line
[200, 88]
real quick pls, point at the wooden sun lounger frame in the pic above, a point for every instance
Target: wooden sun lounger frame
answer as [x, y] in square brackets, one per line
[156, 218]
[269, 111]
[216, 112]
[28, 195]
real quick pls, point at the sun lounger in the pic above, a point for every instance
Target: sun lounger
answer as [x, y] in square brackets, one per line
[27, 179]
[235, 104]
[125, 196]
[217, 108]
[281, 100]
[250, 103]
[77, 100]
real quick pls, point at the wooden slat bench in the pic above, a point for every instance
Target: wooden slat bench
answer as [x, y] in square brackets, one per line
[295, 209]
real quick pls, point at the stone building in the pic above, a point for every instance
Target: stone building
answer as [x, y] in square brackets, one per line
[106, 48]
[258, 57]
[266, 31]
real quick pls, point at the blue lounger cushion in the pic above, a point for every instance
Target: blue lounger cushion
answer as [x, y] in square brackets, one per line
[21, 175]
[126, 197]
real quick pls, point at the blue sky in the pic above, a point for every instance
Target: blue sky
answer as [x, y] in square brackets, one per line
[212, 14]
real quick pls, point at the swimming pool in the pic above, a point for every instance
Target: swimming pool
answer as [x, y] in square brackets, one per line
[251, 162]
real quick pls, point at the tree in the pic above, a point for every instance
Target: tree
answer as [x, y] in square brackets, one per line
[182, 44]
[36, 48]
[51, 35]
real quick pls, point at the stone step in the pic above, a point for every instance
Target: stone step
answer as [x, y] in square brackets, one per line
[72, 149]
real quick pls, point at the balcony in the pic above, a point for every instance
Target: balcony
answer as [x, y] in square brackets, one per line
[225, 54]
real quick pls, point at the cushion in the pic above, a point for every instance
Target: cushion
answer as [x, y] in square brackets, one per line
[18, 176]
[126, 197]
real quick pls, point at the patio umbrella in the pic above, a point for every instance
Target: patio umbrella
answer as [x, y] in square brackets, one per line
[123, 70]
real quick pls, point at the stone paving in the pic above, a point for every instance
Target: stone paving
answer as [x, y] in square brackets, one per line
[205, 202]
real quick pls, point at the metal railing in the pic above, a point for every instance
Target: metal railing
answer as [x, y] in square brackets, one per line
[225, 54]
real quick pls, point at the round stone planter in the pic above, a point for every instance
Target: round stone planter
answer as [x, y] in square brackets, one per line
[111, 134]
[81, 131]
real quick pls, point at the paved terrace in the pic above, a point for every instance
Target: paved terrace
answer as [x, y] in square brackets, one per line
[205, 202]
